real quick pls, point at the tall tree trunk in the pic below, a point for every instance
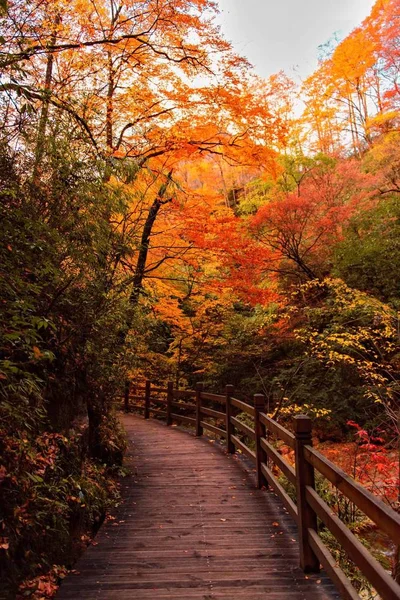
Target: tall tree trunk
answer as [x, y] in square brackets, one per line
[353, 127]
[140, 269]
[44, 115]
[110, 104]
[145, 241]
[224, 186]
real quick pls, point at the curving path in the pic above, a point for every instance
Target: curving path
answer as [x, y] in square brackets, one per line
[192, 526]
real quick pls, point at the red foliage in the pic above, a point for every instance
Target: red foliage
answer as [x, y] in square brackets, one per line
[303, 226]
[376, 466]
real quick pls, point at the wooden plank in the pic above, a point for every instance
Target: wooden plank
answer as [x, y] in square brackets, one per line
[199, 389]
[326, 559]
[241, 446]
[246, 408]
[216, 414]
[215, 430]
[274, 483]
[281, 432]
[159, 390]
[188, 420]
[243, 428]
[160, 413]
[184, 405]
[305, 476]
[279, 461]
[384, 584]
[191, 526]
[184, 394]
[230, 447]
[136, 406]
[213, 397]
[158, 400]
[381, 514]
[260, 432]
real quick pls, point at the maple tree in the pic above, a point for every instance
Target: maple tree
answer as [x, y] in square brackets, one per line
[122, 69]
[303, 217]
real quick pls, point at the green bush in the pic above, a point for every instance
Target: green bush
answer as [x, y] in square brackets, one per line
[61, 364]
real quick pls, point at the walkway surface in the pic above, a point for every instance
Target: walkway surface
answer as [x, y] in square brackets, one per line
[192, 526]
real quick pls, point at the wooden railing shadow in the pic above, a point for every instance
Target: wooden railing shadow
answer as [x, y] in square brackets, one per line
[196, 408]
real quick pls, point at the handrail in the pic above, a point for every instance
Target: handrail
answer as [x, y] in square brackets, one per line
[184, 405]
[243, 406]
[276, 429]
[373, 507]
[281, 463]
[308, 505]
[245, 429]
[184, 393]
[209, 412]
[213, 429]
[213, 397]
[380, 579]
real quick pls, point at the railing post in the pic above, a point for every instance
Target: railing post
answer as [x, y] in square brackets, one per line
[147, 400]
[199, 429]
[170, 399]
[230, 446]
[261, 457]
[307, 519]
[126, 394]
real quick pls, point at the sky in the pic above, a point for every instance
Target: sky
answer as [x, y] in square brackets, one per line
[285, 34]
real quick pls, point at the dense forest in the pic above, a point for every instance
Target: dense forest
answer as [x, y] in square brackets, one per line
[168, 215]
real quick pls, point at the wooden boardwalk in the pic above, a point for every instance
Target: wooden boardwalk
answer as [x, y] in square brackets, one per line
[192, 526]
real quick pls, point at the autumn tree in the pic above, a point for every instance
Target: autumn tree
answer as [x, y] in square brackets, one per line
[302, 218]
[352, 98]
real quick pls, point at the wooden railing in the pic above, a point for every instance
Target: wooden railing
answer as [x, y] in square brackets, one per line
[196, 408]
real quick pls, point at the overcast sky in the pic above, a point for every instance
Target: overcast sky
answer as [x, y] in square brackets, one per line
[285, 34]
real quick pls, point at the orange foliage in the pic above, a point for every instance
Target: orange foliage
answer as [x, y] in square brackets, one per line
[302, 227]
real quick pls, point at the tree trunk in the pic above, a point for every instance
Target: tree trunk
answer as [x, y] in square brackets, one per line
[110, 104]
[44, 115]
[140, 269]
[145, 242]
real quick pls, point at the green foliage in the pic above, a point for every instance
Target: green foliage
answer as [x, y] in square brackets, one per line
[331, 353]
[369, 256]
[301, 383]
[346, 329]
[61, 362]
[232, 354]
